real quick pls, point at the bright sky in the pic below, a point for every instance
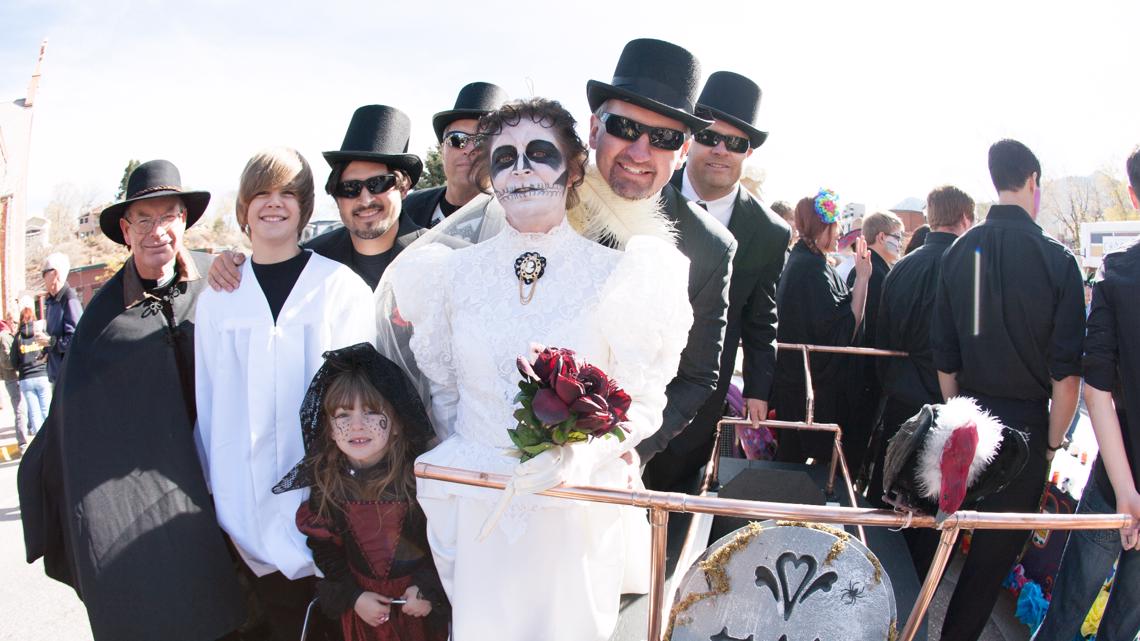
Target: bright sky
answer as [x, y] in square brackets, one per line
[878, 101]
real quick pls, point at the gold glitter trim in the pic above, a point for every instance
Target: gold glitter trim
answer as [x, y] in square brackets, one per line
[874, 560]
[715, 574]
[893, 633]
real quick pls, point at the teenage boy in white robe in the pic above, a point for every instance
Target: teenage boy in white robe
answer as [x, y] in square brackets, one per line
[256, 350]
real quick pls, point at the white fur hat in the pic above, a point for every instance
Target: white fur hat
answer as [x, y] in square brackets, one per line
[59, 262]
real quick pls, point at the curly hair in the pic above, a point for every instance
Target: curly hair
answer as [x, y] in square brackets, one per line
[542, 111]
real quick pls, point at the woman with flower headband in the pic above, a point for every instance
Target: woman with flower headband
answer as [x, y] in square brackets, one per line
[816, 308]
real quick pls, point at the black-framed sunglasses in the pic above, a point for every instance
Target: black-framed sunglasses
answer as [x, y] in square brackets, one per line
[376, 185]
[735, 144]
[460, 139]
[626, 129]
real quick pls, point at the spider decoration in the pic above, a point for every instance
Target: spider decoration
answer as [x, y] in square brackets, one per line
[853, 592]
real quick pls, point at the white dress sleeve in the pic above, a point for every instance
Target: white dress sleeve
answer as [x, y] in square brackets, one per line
[645, 319]
[204, 352]
[419, 282]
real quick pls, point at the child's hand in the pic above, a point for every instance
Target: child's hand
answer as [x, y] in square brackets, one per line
[372, 608]
[416, 606]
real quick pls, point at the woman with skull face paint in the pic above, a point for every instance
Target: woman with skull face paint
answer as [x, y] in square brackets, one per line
[465, 315]
[363, 426]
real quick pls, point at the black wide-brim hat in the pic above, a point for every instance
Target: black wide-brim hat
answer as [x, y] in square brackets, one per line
[152, 179]
[734, 99]
[475, 100]
[379, 133]
[656, 75]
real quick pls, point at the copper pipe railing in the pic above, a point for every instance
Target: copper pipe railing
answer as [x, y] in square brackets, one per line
[661, 503]
[838, 460]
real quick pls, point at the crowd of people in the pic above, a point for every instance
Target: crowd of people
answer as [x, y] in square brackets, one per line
[233, 436]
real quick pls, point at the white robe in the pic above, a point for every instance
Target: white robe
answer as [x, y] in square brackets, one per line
[551, 569]
[251, 375]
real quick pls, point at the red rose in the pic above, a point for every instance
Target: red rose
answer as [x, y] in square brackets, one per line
[554, 361]
[594, 415]
[548, 408]
[594, 380]
[618, 401]
[526, 369]
[567, 388]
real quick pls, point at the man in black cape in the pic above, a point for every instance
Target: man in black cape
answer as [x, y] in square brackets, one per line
[111, 493]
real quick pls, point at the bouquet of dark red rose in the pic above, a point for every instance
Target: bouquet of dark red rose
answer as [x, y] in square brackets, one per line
[564, 400]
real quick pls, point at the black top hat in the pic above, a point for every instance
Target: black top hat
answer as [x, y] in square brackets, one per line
[152, 179]
[380, 134]
[474, 101]
[657, 75]
[734, 99]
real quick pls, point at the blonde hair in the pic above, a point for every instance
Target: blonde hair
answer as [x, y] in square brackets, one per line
[881, 221]
[277, 168]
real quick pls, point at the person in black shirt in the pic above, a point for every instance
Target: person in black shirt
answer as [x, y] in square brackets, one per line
[904, 325]
[816, 308]
[1112, 377]
[1008, 326]
[883, 232]
[455, 132]
[369, 178]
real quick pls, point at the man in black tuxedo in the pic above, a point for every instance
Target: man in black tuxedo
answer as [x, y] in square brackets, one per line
[711, 178]
[455, 131]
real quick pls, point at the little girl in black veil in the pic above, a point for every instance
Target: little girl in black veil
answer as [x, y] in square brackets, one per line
[363, 426]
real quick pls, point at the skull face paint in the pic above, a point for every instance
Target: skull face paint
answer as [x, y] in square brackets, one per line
[528, 171]
[361, 433]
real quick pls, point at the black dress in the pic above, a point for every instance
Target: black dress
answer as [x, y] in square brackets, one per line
[815, 309]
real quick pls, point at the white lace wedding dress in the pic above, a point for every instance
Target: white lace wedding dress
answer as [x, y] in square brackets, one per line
[551, 569]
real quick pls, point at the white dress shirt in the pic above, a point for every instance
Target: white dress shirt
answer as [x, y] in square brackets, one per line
[721, 208]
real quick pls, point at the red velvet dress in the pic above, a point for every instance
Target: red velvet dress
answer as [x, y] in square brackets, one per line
[375, 546]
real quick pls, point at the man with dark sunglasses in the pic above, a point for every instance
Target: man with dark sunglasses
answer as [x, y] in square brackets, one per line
[455, 131]
[711, 178]
[369, 177]
[640, 132]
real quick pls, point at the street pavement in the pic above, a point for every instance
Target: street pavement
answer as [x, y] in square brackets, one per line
[35, 607]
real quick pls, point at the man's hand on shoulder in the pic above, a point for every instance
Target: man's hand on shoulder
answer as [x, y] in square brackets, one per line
[225, 271]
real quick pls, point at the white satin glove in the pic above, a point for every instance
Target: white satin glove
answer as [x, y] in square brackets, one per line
[547, 470]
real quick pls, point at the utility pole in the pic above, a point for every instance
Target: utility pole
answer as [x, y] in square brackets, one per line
[15, 148]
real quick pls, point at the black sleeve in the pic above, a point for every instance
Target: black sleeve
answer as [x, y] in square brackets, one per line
[425, 576]
[338, 591]
[943, 334]
[699, 370]
[758, 327]
[831, 320]
[1100, 343]
[1068, 323]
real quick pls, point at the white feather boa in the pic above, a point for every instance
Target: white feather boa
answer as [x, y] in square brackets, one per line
[603, 216]
[956, 413]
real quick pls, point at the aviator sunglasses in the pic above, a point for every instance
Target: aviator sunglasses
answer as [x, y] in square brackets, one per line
[735, 144]
[631, 130]
[459, 139]
[376, 185]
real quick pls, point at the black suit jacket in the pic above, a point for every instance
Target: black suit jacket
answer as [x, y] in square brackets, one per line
[421, 203]
[336, 244]
[762, 241]
[710, 249]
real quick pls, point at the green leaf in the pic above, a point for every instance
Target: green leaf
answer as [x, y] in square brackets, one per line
[620, 434]
[535, 450]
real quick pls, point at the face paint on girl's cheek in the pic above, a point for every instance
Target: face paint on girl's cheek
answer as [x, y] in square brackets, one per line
[372, 425]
